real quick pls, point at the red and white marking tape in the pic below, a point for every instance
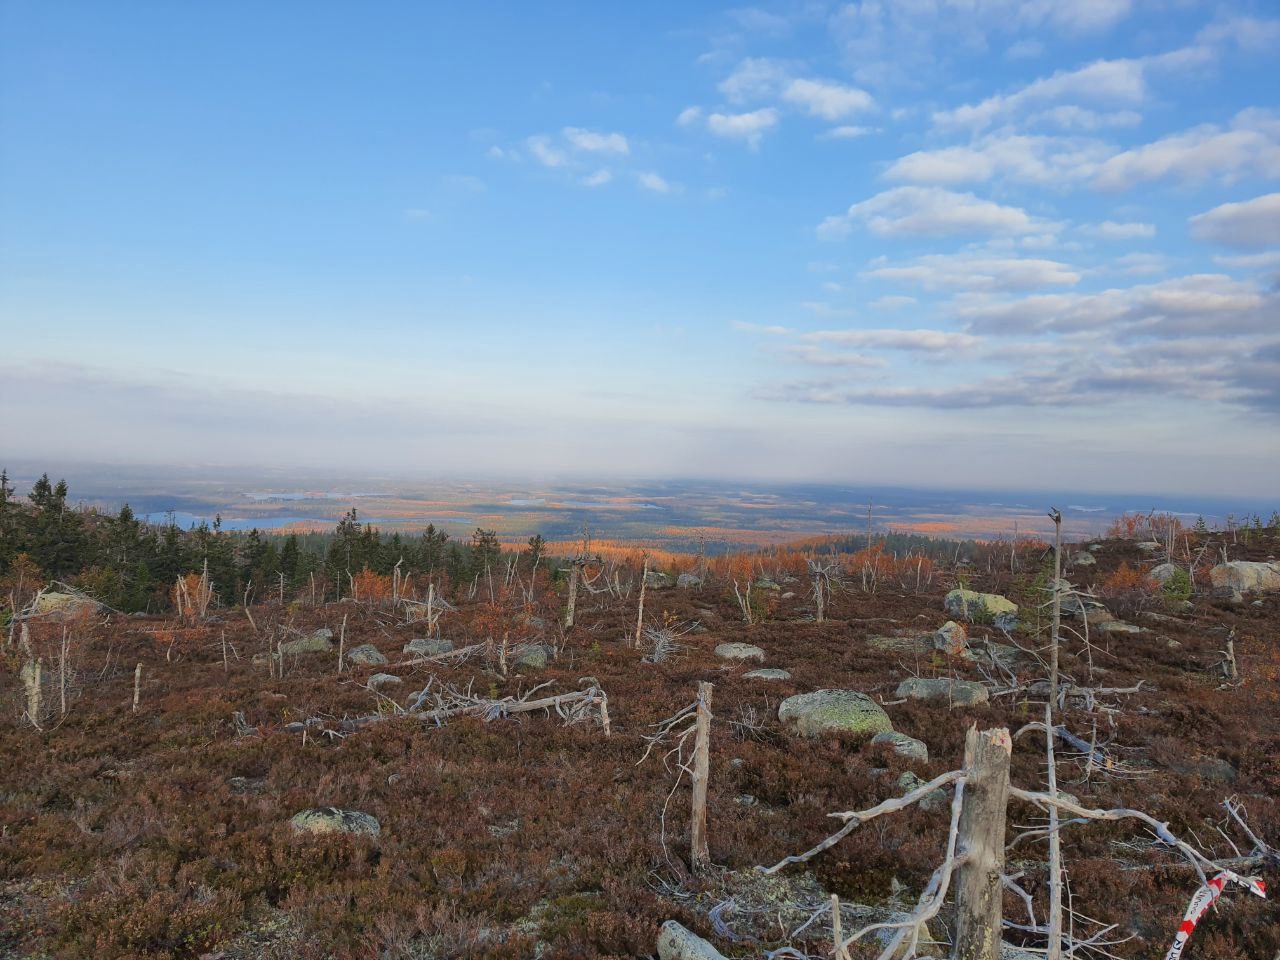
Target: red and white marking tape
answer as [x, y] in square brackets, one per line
[1205, 898]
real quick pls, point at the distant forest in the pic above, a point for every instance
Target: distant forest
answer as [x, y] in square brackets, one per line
[131, 565]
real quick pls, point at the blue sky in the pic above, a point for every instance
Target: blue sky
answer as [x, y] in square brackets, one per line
[932, 242]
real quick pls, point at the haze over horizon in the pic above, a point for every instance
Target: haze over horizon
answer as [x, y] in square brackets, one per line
[982, 244]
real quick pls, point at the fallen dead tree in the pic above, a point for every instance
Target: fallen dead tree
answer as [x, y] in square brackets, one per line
[440, 704]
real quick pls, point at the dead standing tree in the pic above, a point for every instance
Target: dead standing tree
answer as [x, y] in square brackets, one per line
[692, 721]
[975, 857]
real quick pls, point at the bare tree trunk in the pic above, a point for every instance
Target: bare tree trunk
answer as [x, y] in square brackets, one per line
[1055, 847]
[1056, 517]
[700, 855]
[644, 578]
[32, 677]
[62, 673]
[979, 890]
[137, 686]
[342, 641]
[574, 574]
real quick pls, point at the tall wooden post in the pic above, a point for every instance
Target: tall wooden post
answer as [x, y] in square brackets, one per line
[700, 856]
[979, 891]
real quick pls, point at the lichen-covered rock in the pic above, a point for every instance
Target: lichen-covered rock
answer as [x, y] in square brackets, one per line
[319, 642]
[952, 639]
[982, 608]
[739, 651]
[366, 655]
[904, 746]
[834, 711]
[1118, 626]
[1162, 572]
[688, 581]
[427, 647]
[911, 643]
[380, 680]
[321, 820]
[1244, 576]
[64, 606]
[767, 673]
[657, 580]
[1084, 560]
[536, 656]
[677, 942]
[962, 692]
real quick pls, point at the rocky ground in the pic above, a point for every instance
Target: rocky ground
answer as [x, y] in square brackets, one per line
[235, 815]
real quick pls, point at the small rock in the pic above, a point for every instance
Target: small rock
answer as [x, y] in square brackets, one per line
[319, 642]
[427, 647]
[1084, 560]
[739, 651]
[657, 580]
[1163, 572]
[903, 745]
[677, 942]
[320, 820]
[1118, 626]
[533, 657]
[934, 800]
[834, 711]
[1174, 645]
[246, 784]
[767, 673]
[952, 639]
[982, 607]
[963, 693]
[366, 655]
[1149, 546]
[688, 581]
[745, 800]
[379, 680]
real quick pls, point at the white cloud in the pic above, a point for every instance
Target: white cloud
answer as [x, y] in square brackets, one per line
[930, 212]
[652, 181]
[689, 116]
[893, 302]
[1112, 230]
[597, 179]
[756, 78]
[828, 100]
[1249, 147]
[819, 357]
[417, 214]
[1250, 34]
[845, 132]
[1182, 306]
[593, 142]
[1024, 50]
[542, 150]
[1025, 159]
[1140, 264]
[976, 271]
[1250, 223]
[1104, 81]
[926, 341]
[1270, 260]
[744, 126]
